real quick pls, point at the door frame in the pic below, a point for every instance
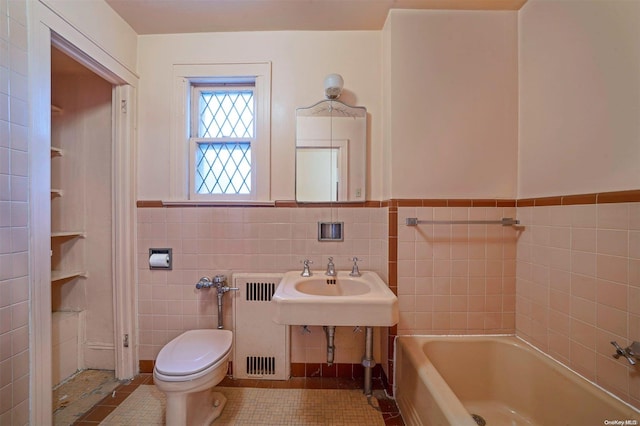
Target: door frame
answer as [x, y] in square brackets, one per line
[46, 28]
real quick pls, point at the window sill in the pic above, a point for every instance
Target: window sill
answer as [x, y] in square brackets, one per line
[191, 203]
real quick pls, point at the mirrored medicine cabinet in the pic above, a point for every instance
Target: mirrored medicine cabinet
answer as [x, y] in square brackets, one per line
[331, 152]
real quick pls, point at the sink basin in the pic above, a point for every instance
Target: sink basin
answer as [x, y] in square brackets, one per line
[326, 286]
[341, 300]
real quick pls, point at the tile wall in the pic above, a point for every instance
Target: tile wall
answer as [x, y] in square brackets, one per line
[578, 288]
[211, 240]
[14, 203]
[456, 279]
[567, 280]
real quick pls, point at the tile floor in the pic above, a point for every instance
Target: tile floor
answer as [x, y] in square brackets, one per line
[387, 406]
[80, 393]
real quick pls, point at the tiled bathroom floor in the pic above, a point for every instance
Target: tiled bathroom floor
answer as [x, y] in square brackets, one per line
[387, 406]
[80, 393]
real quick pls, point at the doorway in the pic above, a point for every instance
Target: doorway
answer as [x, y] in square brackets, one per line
[81, 219]
[112, 346]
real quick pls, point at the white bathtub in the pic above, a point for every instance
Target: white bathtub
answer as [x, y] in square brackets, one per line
[443, 380]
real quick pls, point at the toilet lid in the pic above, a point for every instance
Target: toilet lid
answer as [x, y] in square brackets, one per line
[193, 351]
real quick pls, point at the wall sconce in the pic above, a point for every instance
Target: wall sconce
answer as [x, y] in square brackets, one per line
[333, 84]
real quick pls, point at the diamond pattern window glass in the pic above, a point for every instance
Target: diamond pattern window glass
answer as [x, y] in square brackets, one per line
[223, 168]
[223, 131]
[226, 114]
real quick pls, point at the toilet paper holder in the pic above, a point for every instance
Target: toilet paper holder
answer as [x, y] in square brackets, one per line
[160, 258]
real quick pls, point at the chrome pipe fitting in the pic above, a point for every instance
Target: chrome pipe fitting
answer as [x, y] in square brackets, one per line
[631, 353]
[204, 282]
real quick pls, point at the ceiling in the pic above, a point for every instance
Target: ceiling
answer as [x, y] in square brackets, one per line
[188, 16]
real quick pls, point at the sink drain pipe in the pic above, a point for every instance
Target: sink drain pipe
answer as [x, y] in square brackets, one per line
[367, 360]
[330, 332]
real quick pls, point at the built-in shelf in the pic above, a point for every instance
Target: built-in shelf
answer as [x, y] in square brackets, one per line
[68, 234]
[56, 193]
[56, 152]
[56, 110]
[66, 275]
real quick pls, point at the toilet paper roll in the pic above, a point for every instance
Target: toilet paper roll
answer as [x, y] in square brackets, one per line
[159, 260]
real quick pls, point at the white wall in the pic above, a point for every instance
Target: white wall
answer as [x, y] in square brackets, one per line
[102, 25]
[300, 61]
[452, 103]
[579, 74]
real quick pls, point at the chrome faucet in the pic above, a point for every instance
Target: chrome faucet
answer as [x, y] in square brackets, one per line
[631, 353]
[355, 272]
[331, 268]
[204, 282]
[305, 268]
[220, 283]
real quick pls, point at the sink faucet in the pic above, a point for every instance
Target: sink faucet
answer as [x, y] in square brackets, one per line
[331, 268]
[355, 272]
[305, 268]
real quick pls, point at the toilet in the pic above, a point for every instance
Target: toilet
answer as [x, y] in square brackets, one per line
[186, 370]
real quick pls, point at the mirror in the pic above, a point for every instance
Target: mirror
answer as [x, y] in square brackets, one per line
[331, 152]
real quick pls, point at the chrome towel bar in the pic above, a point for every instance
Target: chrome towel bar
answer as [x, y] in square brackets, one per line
[505, 221]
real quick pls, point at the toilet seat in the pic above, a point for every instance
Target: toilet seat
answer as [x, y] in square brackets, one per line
[193, 354]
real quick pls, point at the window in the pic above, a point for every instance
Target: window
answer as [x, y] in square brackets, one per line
[223, 132]
[222, 153]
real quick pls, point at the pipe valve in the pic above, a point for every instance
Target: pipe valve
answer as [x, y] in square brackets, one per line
[204, 282]
[631, 353]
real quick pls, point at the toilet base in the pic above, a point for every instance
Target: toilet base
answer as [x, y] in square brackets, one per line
[199, 409]
[218, 401]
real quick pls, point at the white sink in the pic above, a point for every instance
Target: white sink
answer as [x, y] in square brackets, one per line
[341, 300]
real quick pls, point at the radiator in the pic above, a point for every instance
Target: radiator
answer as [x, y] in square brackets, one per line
[261, 347]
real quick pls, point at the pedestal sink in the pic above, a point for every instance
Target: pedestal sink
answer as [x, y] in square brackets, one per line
[341, 300]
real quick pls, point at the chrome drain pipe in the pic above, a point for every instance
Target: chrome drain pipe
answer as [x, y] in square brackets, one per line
[220, 283]
[330, 332]
[367, 361]
[220, 294]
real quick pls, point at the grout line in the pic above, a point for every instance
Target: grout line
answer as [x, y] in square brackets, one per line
[390, 413]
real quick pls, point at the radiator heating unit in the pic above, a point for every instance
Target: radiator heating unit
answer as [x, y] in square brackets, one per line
[261, 347]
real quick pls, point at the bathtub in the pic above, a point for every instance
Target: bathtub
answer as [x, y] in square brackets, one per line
[465, 380]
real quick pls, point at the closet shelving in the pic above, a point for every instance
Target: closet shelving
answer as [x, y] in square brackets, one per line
[56, 110]
[68, 234]
[57, 276]
[56, 152]
[59, 239]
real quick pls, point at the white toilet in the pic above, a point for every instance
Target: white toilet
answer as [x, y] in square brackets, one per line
[186, 370]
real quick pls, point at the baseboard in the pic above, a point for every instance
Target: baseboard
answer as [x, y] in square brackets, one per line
[301, 369]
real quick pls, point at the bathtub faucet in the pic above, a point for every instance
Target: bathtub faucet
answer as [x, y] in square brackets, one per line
[631, 353]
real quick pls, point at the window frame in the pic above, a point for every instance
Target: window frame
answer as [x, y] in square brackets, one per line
[195, 138]
[183, 153]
